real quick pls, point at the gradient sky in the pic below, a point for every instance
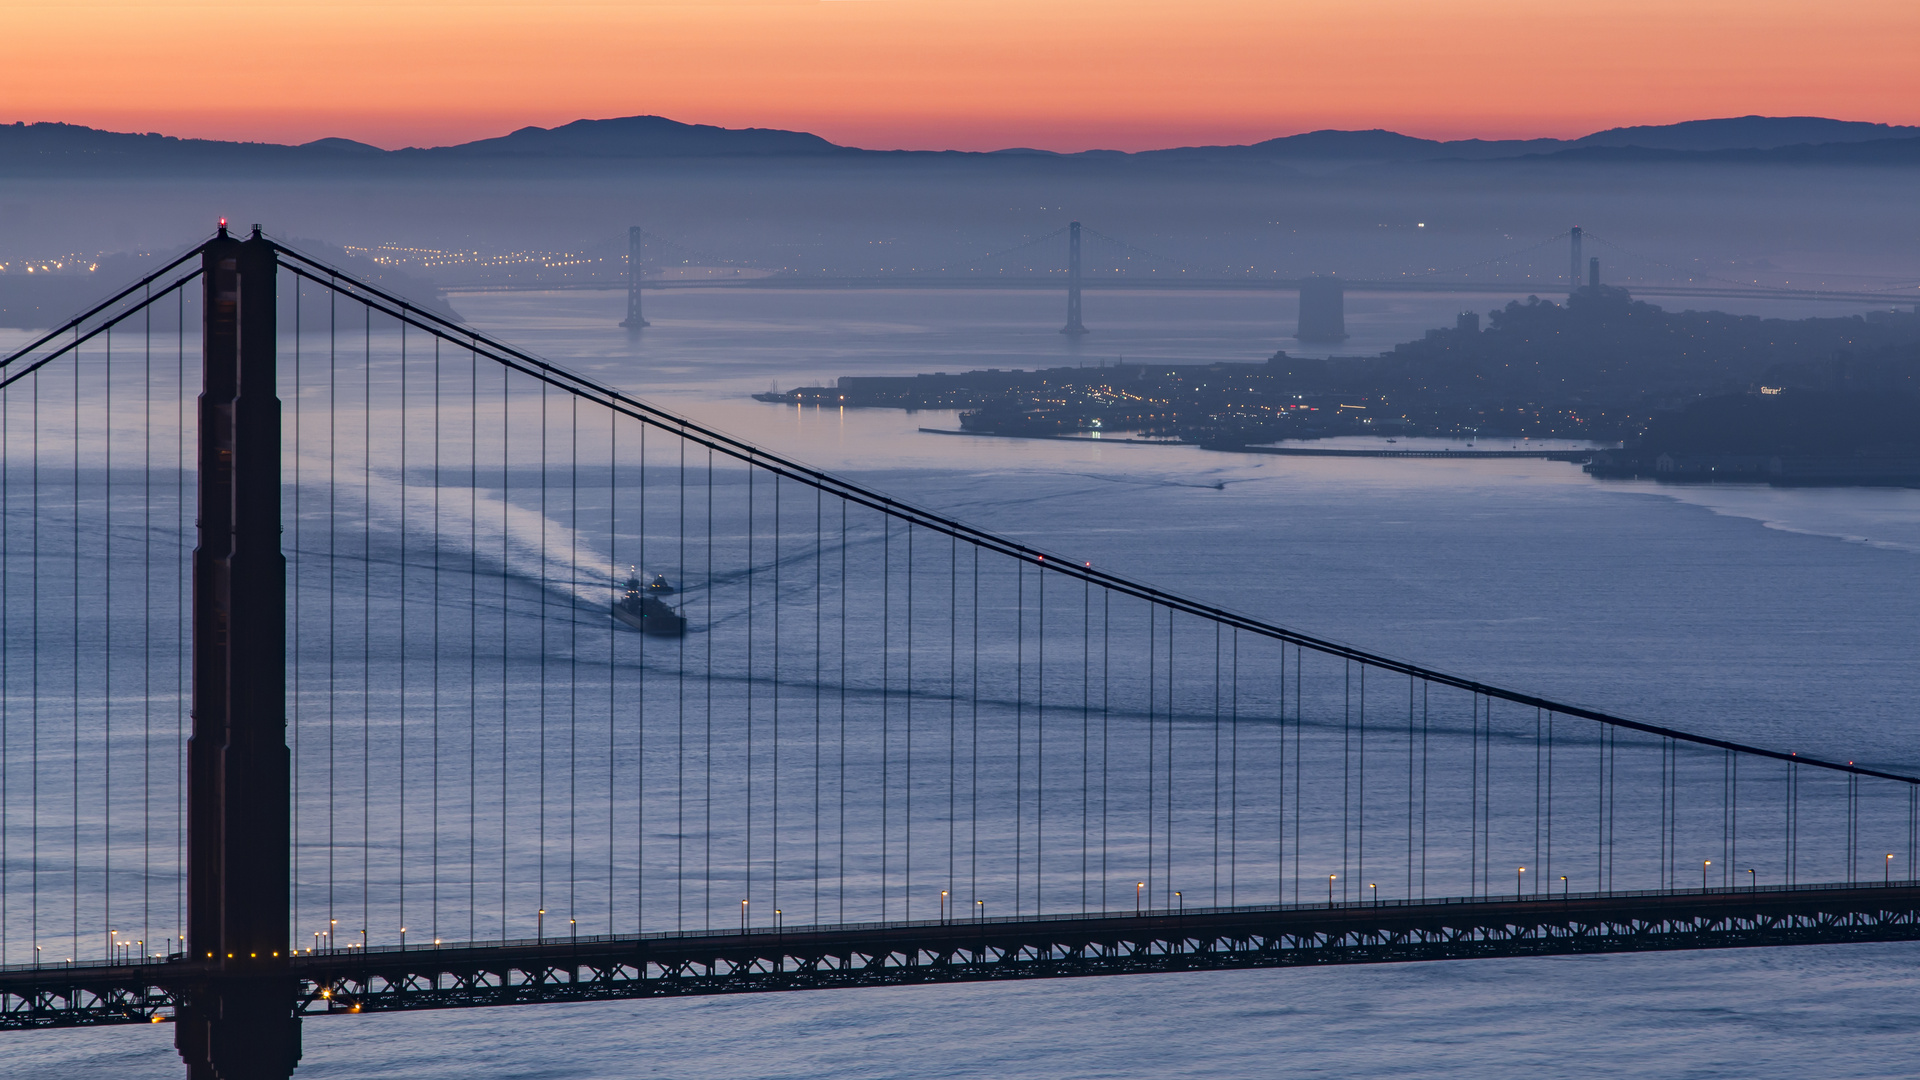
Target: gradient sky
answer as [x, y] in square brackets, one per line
[966, 74]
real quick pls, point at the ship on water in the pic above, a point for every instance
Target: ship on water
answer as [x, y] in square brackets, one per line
[645, 609]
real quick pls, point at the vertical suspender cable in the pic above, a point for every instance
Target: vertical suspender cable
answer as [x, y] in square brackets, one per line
[953, 711]
[841, 829]
[73, 715]
[433, 927]
[293, 599]
[886, 703]
[1539, 788]
[819, 628]
[505, 637]
[1167, 892]
[366, 628]
[540, 600]
[473, 643]
[106, 646]
[707, 756]
[33, 667]
[1106, 683]
[1346, 776]
[973, 741]
[680, 703]
[1473, 821]
[573, 662]
[906, 874]
[333, 595]
[747, 865]
[640, 686]
[401, 645]
[1280, 793]
[1019, 730]
[1233, 780]
[774, 835]
[1410, 753]
[6, 668]
[180, 637]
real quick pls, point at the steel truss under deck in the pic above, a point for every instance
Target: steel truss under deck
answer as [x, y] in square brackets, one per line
[602, 968]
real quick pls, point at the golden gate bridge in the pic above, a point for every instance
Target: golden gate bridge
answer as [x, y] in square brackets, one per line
[315, 700]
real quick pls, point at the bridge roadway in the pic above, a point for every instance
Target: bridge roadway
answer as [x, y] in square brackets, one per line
[964, 950]
[1203, 284]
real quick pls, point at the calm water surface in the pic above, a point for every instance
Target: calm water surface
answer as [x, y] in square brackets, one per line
[1782, 617]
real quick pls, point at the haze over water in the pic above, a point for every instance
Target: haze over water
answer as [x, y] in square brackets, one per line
[1775, 616]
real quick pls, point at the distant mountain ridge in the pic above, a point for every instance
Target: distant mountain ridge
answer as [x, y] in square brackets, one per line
[1745, 139]
[640, 136]
[1745, 133]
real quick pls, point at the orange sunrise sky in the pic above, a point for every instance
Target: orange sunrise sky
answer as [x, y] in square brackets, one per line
[963, 74]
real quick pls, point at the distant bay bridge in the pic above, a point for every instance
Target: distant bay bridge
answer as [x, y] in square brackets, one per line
[1121, 266]
[354, 660]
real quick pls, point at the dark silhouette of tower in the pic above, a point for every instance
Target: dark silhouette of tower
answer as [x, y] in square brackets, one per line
[1074, 327]
[1323, 310]
[1573, 273]
[238, 1022]
[634, 320]
[1593, 272]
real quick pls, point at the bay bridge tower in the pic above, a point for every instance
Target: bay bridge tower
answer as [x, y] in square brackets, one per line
[1074, 327]
[1323, 310]
[634, 319]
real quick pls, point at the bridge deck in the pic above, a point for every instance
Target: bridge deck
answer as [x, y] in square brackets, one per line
[909, 953]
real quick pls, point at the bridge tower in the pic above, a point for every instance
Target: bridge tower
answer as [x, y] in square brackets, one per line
[1323, 310]
[237, 1020]
[633, 321]
[1573, 271]
[1074, 327]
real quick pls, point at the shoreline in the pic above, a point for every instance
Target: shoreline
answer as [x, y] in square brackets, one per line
[1291, 451]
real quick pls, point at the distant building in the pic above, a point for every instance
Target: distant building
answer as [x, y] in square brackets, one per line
[1323, 310]
[1467, 322]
